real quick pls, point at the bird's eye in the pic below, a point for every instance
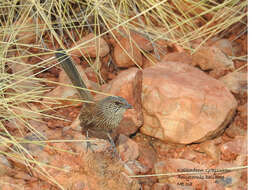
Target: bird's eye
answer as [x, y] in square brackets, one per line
[118, 103]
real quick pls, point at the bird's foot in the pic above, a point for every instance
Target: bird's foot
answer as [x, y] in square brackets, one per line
[90, 145]
[115, 153]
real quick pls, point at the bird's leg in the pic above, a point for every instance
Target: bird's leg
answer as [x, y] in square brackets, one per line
[112, 145]
[89, 144]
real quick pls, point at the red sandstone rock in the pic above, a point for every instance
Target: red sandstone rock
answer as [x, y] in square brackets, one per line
[224, 45]
[135, 167]
[211, 149]
[6, 167]
[142, 42]
[147, 157]
[181, 57]
[189, 155]
[236, 82]
[10, 183]
[91, 74]
[23, 175]
[129, 56]
[127, 148]
[93, 48]
[149, 59]
[237, 146]
[235, 130]
[243, 110]
[211, 58]
[181, 104]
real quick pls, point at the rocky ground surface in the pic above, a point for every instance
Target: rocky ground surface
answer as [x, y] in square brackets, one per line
[190, 114]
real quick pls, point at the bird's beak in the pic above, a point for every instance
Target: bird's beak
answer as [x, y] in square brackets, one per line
[128, 106]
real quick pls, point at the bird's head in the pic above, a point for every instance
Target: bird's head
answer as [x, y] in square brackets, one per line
[113, 108]
[114, 103]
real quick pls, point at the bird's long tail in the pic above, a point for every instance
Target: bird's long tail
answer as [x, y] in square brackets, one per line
[71, 71]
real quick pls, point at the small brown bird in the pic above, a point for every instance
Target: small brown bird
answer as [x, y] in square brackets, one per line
[97, 119]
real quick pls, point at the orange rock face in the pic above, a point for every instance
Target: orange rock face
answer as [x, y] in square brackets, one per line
[211, 58]
[128, 149]
[142, 42]
[178, 57]
[237, 146]
[121, 54]
[235, 81]
[224, 45]
[181, 104]
[94, 48]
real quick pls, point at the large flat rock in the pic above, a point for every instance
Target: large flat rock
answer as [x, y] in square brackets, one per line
[182, 104]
